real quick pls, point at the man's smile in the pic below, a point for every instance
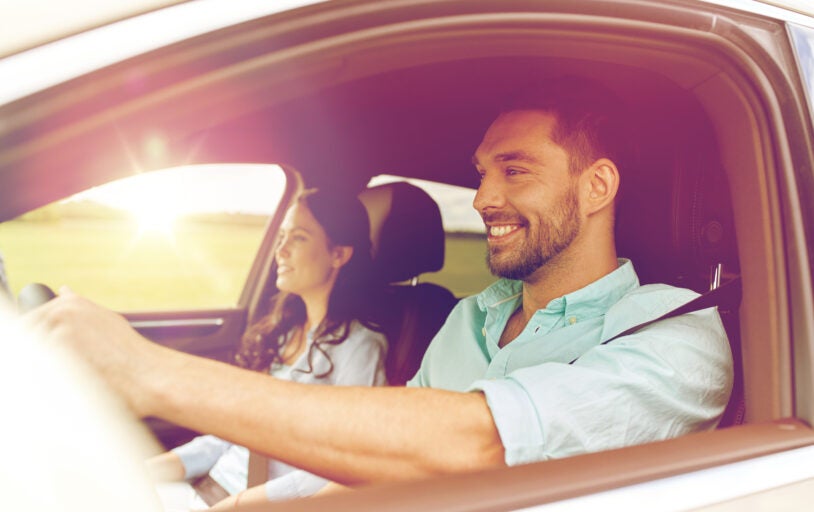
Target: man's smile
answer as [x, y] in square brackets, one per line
[503, 230]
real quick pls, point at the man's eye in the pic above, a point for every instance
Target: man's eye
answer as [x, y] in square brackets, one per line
[513, 172]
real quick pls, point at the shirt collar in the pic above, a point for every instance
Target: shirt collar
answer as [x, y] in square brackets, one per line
[587, 302]
[502, 290]
[598, 297]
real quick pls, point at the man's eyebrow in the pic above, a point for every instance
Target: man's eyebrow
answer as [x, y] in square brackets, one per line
[510, 156]
[519, 156]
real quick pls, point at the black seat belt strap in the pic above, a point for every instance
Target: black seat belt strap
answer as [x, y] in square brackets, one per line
[725, 296]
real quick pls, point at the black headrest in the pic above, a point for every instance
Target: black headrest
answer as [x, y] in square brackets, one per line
[674, 220]
[405, 229]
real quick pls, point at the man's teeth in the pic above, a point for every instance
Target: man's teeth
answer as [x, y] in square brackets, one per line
[502, 230]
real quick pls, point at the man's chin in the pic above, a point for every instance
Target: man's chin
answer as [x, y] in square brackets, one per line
[509, 271]
[507, 265]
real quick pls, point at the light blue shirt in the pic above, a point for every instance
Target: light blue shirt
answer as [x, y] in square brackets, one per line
[357, 361]
[668, 379]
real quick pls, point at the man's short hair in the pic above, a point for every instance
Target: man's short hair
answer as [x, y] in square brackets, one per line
[591, 119]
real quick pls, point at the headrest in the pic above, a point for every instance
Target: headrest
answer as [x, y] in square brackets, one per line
[405, 230]
[676, 227]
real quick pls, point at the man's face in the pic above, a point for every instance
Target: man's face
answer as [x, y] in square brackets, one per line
[527, 197]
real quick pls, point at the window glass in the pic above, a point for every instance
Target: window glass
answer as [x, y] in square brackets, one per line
[803, 39]
[181, 238]
[465, 271]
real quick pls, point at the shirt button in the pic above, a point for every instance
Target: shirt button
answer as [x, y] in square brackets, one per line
[536, 329]
[483, 331]
[572, 320]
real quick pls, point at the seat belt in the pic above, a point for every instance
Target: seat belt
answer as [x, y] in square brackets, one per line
[727, 295]
[258, 472]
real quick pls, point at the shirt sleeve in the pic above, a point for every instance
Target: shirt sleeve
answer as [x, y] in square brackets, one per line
[297, 484]
[669, 379]
[201, 454]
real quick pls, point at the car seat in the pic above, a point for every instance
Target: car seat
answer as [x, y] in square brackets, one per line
[675, 222]
[408, 240]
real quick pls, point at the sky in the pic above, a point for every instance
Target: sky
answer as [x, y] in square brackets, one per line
[244, 188]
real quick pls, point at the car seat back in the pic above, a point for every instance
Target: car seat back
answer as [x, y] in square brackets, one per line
[679, 229]
[408, 240]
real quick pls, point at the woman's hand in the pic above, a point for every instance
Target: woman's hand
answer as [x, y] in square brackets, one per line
[252, 496]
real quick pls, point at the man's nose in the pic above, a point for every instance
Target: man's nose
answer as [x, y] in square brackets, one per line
[490, 193]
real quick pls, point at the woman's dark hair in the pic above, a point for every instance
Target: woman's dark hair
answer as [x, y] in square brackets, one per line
[345, 221]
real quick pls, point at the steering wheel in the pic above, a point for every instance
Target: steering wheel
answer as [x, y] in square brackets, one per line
[33, 295]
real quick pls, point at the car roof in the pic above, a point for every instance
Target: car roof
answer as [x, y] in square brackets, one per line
[37, 22]
[51, 54]
[796, 11]
[801, 6]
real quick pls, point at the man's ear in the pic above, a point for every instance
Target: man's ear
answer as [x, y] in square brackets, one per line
[600, 185]
[341, 255]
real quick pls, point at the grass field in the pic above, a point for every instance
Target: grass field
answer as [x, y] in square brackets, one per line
[202, 265]
[465, 272]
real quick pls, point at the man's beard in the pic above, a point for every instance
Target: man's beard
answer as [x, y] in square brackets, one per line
[555, 233]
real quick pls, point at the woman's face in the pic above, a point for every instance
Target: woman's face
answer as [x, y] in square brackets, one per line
[306, 263]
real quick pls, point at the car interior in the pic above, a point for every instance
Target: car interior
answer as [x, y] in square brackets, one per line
[423, 118]
[700, 207]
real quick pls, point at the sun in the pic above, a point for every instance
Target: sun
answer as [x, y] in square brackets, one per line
[153, 204]
[153, 201]
[154, 219]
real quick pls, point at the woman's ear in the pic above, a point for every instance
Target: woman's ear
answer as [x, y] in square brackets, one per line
[601, 185]
[341, 255]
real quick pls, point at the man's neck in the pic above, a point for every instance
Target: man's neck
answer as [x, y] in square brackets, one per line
[558, 277]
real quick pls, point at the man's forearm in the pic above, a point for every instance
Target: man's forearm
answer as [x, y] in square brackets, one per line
[348, 434]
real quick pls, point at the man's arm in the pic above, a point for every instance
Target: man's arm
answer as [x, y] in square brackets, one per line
[351, 435]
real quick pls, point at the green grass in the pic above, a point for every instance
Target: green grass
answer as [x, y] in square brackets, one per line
[465, 272]
[203, 265]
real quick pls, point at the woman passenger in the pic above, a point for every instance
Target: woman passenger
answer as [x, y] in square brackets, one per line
[319, 331]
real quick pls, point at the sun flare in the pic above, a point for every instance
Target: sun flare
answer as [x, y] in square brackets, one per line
[160, 202]
[151, 220]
